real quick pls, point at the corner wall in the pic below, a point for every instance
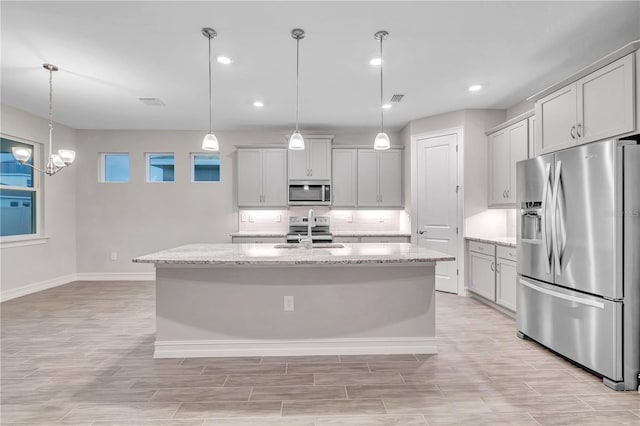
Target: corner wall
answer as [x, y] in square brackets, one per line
[30, 268]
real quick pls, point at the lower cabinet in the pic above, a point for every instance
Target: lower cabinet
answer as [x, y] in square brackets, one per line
[492, 273]
[258, 240]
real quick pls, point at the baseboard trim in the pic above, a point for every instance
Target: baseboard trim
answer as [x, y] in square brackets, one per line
[224, 348]
[116, 276]
[35, 287]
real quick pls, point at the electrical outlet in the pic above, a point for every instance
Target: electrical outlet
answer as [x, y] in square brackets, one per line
[114, 255]
[251, 218]
[288, 303]
[350, 218]
[243, 217]
[381, 219]
[278, 218]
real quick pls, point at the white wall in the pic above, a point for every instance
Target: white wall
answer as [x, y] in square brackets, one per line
[43, 265]
[137, 218]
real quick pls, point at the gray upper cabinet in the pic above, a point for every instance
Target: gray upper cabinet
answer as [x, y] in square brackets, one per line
[379, 178]
[344, 184]
[598, 106]
[313, 162]
[506, 148]
[262, 177]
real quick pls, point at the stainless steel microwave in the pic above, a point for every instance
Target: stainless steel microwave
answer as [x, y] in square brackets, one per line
[309, 193]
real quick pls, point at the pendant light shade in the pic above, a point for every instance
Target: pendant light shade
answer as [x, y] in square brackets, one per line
[55, 162]
[210, 141]
[296, 141]
[381, 141]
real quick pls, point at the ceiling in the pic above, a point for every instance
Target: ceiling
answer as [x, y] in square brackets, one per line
[112, 53]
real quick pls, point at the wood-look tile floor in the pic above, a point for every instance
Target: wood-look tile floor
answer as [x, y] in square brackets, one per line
[82, 354]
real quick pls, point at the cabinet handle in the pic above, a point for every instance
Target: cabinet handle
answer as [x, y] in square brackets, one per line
[508, 193]
[493, 267]
[421, 232]
[504, 194]
[310, 172]
[498, 267]
[573, 129]
[578, 130]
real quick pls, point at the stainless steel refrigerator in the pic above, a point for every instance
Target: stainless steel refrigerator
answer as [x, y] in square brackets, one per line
[578, 256]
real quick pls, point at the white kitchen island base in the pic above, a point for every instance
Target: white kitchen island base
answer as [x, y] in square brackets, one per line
[351, 304]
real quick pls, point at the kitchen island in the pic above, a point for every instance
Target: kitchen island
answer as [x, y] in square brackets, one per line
[281, 299]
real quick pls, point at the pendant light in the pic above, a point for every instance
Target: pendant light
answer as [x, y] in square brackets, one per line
[210, 141]
[55, 162]
[382, 139]
[296, 142]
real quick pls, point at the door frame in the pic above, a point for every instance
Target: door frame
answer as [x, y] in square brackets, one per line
[459, 132]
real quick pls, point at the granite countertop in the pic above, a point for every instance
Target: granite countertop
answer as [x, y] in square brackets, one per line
[268, 254]
[503, 241]
[258, 234]
[370, 234]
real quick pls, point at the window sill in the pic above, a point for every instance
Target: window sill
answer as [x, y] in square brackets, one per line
[22, 240]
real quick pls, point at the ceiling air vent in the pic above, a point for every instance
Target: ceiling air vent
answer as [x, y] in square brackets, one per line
[396, 98]
[151, 101]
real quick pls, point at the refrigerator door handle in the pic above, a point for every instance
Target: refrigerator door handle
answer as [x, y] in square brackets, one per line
[562, 295]
[554, 224]
[545, 241]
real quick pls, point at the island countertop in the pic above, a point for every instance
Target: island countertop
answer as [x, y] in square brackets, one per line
[270, 254]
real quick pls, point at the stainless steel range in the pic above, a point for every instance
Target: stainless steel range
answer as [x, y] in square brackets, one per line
[299, 225]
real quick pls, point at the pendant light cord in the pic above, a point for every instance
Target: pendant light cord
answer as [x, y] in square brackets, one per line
[381, 109]
[50, 112]
[210, 95]
[297, 78]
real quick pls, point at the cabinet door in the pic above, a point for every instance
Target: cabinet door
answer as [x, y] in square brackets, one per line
[367, 178]
[606, 101]
[390, 178]
[498, 167]
[249, 175]
[343, 186]
[298, 166]
[482, 276]
[320, 158]
[556, 120]
[518, 137]
[274, 177]
[506, 284]
[532, 136]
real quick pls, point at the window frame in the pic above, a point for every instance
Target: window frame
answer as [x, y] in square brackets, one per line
[192, 168]
[38, 237]
[147, 159]
[102, 173]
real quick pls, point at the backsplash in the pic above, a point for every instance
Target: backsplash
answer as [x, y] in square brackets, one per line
[492, 223]
[277, 221]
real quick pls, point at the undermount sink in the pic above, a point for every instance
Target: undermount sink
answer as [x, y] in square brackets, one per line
[315, 245]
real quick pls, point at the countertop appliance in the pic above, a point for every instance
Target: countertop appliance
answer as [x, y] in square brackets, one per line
[578, 256]
[309, 193]
[298, 227]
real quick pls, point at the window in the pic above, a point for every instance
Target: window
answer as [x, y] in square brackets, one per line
[160, 168]
[115, 167]
[19, 191]
[205, 168]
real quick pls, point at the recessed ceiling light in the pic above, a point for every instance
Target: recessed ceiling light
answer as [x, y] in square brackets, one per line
[475, 88]
[224, 60]
[375, 61]
[258, 104]
[387, 106]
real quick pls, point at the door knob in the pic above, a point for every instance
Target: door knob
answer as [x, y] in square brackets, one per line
[421, 232]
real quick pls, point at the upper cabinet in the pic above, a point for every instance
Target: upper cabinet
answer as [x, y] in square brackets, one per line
[344, 187]
[379, 178]
[313, 162]
[506, 147]
[262, 177]
[598, 106]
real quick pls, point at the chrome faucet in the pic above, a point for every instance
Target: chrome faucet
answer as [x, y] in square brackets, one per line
[308, 240]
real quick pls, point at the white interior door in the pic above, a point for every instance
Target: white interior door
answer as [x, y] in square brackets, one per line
[437, 171]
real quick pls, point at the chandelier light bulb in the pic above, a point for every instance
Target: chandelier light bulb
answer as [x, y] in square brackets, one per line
[210, 143]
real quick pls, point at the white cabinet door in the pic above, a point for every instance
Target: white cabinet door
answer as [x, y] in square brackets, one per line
[390, 178]
[506, 284]
[298, 165]
[343, 186]
[556, 120]
[498, 167]
[249, 175]
[482, 277]
[274, 177]
[532, 136]
[319, 159]
[606, 102]
[517, 136]
[367, 178]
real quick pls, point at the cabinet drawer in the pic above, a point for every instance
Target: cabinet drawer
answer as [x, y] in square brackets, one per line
[485, 248]
[508, 253]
